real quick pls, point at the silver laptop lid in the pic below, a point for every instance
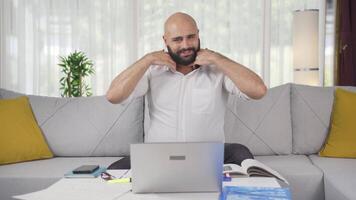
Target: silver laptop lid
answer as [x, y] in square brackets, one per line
[177, 167]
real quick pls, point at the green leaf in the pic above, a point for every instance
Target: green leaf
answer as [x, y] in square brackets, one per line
[74, 67]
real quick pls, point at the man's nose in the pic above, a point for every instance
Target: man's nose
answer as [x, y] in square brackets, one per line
[185, 43]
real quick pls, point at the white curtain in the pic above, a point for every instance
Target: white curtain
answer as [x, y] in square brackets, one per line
[115, 33]
[34, 33]
[232, 27]
[281, 66]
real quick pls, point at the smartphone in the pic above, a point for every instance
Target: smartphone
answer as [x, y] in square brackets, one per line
[86, 169]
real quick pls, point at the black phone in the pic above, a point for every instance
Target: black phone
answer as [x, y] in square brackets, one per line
[86, 169]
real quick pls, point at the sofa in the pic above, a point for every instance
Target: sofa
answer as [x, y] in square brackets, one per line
[285, 130]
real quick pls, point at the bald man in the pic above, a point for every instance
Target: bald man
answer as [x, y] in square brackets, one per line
[186, 87]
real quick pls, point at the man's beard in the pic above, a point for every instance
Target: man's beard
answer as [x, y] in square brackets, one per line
[182, 61]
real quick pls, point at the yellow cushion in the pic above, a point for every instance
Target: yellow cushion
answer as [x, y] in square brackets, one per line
[20, 137]
[341, 141]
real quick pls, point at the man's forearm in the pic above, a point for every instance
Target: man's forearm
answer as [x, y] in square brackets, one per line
[124, 84]
[245, 79]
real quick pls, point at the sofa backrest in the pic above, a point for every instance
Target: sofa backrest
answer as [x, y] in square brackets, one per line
[291, 118]
[87, 126]
[311, 109]
[264, 125]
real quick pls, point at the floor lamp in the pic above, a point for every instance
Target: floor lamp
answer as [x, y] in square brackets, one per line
[306, 47]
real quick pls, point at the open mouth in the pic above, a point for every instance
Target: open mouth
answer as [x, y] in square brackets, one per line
[186, 53]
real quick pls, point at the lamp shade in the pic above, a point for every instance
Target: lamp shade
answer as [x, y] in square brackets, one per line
[306, 46]
[306, 38]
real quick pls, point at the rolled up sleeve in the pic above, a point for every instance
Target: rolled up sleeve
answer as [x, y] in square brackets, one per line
[140, 89]
[232, 89]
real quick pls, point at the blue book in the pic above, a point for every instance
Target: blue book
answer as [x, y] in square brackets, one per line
[255, 193]
[95, 174]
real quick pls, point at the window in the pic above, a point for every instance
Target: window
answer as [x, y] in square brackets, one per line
[115, 33]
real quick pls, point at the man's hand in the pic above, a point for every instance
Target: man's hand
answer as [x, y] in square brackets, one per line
[161, 58]
[124, 84]
[243, 78]
[207, 57]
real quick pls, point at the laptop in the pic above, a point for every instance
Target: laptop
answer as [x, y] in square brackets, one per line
[177, 167]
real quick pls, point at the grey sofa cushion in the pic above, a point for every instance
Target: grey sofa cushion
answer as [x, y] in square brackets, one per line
[7, 94]
[311, 110]
[87, 126]
[339, 177]
[262, 124]
[305, 179]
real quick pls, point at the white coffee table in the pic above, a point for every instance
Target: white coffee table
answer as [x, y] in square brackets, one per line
[97, 188]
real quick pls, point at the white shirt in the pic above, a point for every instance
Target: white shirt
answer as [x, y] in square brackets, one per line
[185, 108]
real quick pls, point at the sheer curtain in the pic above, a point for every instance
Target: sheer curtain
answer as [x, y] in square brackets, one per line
[281, 66]
[34, 33]
[232, 27]
[115, 33]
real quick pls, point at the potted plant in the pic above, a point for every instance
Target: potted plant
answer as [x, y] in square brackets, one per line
[75, 67]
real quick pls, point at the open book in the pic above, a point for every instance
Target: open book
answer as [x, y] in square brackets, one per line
[252, 168]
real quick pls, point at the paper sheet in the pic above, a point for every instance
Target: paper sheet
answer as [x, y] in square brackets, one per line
[94, 189]
[172, 196]
[120, 173]
[76, 189]
[253, 182]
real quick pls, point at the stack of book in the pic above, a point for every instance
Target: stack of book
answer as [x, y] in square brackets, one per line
[255, 193]
[89, 174]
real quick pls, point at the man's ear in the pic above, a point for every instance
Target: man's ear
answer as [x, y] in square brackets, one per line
[165, 40]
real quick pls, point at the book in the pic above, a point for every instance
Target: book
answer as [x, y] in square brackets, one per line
[255, 193]
[86, 169]
[252, 168]
[94, 174]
